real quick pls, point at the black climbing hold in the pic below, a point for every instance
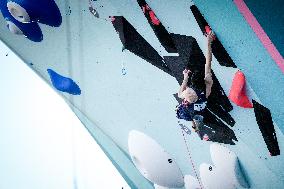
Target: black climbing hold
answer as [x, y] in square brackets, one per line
[210, 168]
[213, 129]
[176, 65]
[219, 111]
[199, 18]
[160, 31]
[189, 51]
[218, 50]
[170, 160]
[136, 44]
[265, 123]
[218, 96]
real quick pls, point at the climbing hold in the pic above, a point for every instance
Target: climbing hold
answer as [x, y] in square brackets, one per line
[208, 30]
[153, 162]
[123, 69]
[191, 182]
[63, 84]
[154, 19]
[136, 44]
[238, 91]
[112, 18]
[31, 31]
[14, 28]
[226, 171]
[218, 49]
[160, 187]
[264, 120]
[18, 12]
[43, 11]
[158, 28]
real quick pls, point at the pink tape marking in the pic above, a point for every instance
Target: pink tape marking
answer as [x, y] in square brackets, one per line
[263, 37]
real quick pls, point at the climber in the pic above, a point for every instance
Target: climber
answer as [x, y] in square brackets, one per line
[195, 98]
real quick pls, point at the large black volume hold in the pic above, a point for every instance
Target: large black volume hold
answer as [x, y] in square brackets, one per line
[218, 50]
[136, 44]
[266, 127]
[160, 31]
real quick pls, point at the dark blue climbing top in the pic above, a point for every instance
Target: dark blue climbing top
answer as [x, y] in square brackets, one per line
[188, 111]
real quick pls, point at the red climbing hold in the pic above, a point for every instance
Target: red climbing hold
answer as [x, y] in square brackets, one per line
[151, 13]
[112, 18]
[144, 9]
[153, 17]
[238, 91]
[208, 31]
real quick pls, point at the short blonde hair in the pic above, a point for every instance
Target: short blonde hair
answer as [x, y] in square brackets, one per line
[189, 93]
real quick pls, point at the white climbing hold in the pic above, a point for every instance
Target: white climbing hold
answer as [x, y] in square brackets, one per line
[153, 162]
[18, 12]
[225, 173]
[191, 182]
[221, 154]
[160, 187]
[14, 28]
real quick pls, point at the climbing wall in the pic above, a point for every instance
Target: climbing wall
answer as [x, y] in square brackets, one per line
[118, 65]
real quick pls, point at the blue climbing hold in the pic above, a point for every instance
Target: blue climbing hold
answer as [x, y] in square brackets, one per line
[30, 30]
[63, 84]
[43, 11]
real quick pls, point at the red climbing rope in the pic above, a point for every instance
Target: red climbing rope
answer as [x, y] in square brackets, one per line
[190, 158]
